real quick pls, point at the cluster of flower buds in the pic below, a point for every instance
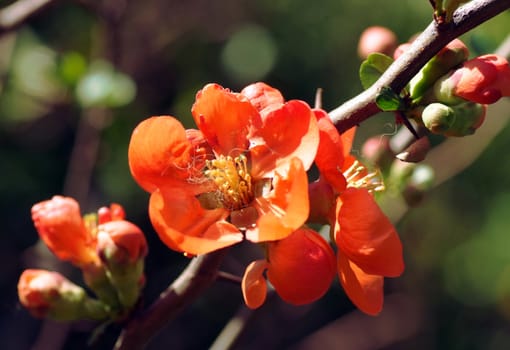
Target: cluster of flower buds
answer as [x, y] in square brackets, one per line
[450, 94]
[243, 176]
[109, 250]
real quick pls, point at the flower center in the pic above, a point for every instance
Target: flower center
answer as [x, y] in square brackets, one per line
[357, 176]
[232, 179]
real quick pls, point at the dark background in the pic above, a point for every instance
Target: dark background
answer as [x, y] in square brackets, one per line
[66, 115]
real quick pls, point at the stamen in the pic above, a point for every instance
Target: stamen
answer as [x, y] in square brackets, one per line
[232, 179]
[358, 177]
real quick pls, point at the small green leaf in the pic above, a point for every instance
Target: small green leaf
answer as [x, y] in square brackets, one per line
[387, 100]
[372, 68]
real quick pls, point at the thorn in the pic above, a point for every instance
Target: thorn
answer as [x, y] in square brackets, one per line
[318, 98]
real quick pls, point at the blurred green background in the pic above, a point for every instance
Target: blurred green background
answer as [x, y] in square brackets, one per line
[77, 78]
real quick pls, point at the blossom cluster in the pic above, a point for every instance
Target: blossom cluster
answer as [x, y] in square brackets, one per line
[450, 93]
[108, 250]
[244, 175]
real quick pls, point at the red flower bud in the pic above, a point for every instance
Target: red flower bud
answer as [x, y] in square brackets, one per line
[121, 242]
[49, 294]
[484, 79]
[114, 212]
[61, 227]
[122, 248]
[376, 39]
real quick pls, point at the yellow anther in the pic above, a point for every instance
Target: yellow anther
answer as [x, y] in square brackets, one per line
[232, 179]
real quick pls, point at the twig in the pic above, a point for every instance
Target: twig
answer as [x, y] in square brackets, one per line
[14, 15]
[433, 38]
[193, 281]
[229, 277]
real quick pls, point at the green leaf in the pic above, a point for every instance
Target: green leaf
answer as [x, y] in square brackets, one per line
[387, 100]
[372, 68]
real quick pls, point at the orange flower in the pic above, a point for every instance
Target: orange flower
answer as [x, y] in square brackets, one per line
[60, 225]
[368, 245]
[300, 267]
[243, 172]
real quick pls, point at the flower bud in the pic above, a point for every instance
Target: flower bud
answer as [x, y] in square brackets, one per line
[301, 266]
[377, 151]
[484, 79]
[469, 116]
[376, 39]
[418, 184]
[49, 294]
[112, 213]
[438, 117]
[61, 227]
[122, 248]
[453, 54]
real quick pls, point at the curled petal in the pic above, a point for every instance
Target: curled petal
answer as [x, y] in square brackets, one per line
[285, 208]
[254, 284]
[225, 119]
[364, 290]
[183, 225]
[366, 236]
[288, 132]
[161, 154]
[301, 266]
[330, 153]
[263, 97]
[60, 225]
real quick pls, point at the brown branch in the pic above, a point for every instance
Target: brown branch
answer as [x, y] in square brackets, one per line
[17, 13]
[192, 282]
[433, 38]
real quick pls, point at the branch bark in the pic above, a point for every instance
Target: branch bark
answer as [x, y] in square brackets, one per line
[431, 40]
[14, 15]
[192, 282]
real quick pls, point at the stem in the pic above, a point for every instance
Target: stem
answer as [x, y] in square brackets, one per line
[433, 38]
[192, 282]
[14, 15]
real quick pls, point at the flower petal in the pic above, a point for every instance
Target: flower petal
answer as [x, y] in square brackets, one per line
[254, 284]
[330, 153]
[263, 97]
[225, 119]
[183, 225]
[285, 208]
[60, 225]
[364, 290]
[287, 132]
[161, 154]
[366, 235]
[301, 266]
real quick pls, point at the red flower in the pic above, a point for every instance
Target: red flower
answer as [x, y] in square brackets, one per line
[243, 172]
[368, 245]
[300, 267]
